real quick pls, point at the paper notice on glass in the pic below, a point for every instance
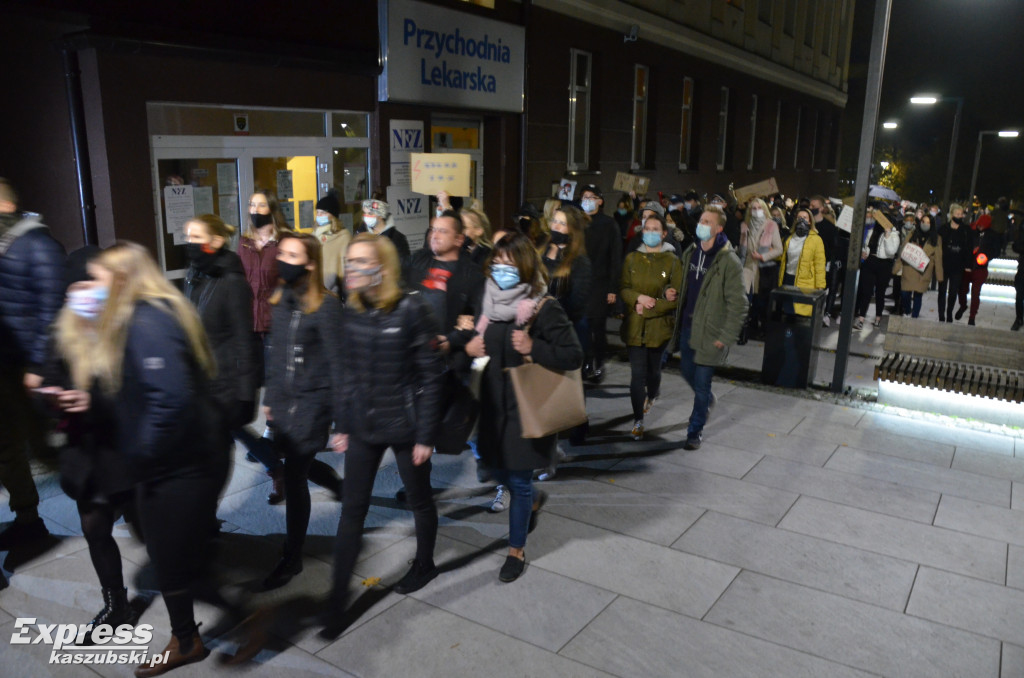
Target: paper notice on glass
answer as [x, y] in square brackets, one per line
[227, 178]
[228, 211]
[202, 196]
[288, 210]
[845, 220]
[406, 138]
[409, 210]
[178, 209]
[355, 183]
[401, 174]
[306, 222]
[284, 185]
[434, 172]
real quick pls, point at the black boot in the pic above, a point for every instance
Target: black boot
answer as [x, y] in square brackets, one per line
[283, 572]
[116, 612]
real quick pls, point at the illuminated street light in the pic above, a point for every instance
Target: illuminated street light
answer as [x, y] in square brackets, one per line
[891, 124]
[928, 100]
[1005, 134]
[884, 164]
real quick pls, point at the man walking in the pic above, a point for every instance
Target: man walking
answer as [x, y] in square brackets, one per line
[604, 248]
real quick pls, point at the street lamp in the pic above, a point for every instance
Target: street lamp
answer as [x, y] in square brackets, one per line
[929, 100]
[884, 164]
[1005, 134]
[891, 124]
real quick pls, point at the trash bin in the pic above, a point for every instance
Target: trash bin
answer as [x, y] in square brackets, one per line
[789, 356]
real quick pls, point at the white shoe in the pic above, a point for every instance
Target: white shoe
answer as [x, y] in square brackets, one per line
[501, 500]
[649, 403]
[825, 320]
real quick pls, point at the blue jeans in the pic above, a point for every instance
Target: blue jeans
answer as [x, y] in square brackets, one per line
[917, 297]
[699, 379]
[520, 484]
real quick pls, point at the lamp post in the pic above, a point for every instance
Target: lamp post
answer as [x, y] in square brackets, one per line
[1006, 134]
[928, 100]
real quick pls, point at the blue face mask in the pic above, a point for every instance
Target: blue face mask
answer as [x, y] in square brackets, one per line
[323, 220]
[589, 205]
[622, 211]
[88, 303]
[652, 238]
[703, 232]
[505, 276]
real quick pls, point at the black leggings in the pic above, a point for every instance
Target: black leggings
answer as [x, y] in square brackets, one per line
[645, 377]
[598, 339]
[179, 518]
[361, 463]
[97, 526]
[948, 290]
[874, 278]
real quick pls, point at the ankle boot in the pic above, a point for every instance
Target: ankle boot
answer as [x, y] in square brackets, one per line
[286, 568]
[277, 494]
[173, 657]
[116, 612]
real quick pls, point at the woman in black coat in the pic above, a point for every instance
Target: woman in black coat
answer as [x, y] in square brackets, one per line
[390, 398]
[515, 280]
[303, 374]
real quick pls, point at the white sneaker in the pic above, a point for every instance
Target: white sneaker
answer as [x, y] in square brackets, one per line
[825, 320]
[649, 403]
[501, 500]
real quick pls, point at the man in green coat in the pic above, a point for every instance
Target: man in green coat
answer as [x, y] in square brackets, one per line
[713, 308]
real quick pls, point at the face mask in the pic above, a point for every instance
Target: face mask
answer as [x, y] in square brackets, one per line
[88, 303]
[369, 221]
[934, 213]
[778, 221]
[815, 211]
[589, 205]
[703, 232]
[323, 220]
[372, 277]
[200, 255]
[802, 228]
[926, 227]
[758, 214]
[259, 220]
[908, 225]
[505, 276]
[559, 238]
[959, 220]
[291, 273]
[622, 211]
[693, 207]
[652, 239]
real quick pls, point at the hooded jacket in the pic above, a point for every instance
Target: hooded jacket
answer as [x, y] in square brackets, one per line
[651, 274]
[810, 272]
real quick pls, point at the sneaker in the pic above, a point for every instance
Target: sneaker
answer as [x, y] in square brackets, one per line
[501, 500]
[23, 532]
[858, 324]
[649, 403]
[826, 321]
[877, 321]
[638, 429]
[548, 473]
[416, 578]
[512, 568]
[693, 442]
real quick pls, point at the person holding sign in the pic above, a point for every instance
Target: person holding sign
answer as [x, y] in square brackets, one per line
[922, 249]
[377, 220]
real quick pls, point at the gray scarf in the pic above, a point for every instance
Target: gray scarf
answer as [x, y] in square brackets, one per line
[501, 305]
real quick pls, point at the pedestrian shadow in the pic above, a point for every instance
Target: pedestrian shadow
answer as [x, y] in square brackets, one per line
[22, 554]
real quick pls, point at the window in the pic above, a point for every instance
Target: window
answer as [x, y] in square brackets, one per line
[579, 109]
[778, 128]
[686, 127]
[814, 141]
[641, 77]
[809, 23]
[764, 11]
[796, 138]
[723, 129]
[789, 26]
[753, 132]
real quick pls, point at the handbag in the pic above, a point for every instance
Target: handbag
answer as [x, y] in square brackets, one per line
[548, 400]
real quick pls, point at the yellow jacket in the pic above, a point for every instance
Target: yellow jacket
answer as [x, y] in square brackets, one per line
[810, 271]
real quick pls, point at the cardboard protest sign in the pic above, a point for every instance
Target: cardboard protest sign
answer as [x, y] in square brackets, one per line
[434, 172]
[626, 182]
[758, 190]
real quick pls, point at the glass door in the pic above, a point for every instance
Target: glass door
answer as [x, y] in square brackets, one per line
[457, 135]
[293, 180]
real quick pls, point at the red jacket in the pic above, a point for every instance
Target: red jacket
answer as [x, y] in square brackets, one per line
[261, 273]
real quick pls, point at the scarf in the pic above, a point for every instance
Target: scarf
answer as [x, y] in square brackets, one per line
[501, 305]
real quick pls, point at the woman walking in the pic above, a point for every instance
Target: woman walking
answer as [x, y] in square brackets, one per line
[916, 282]
[390, 397]
[956, 241]
[512, 327]
[303, 373]
[760, 249]
[651, 278]
[879, 249]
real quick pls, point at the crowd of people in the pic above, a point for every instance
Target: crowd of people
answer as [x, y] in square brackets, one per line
[355, 343]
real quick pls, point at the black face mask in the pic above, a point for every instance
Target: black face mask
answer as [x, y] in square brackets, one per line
[815, 211]
[201, 256]
[291, 273]
[959, 220]
[802, 229]
[259, 220]
[524, 225]
[559, 238]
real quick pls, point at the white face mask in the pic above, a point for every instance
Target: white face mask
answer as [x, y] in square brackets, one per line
[758, 214]
[369, 221]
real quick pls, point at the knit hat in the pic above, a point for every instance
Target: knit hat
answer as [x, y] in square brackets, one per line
[527, 209]
[377, 208]
[676, 199]
[691, 195]
[653, 206]
[75, 269]
[329, 203]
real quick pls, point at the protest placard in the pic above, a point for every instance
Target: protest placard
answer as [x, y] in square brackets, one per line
[434, 172]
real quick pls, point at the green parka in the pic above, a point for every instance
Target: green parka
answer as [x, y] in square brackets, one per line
[650, 273]
[721, 306]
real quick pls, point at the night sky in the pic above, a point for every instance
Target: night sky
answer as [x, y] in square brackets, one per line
[968, 48]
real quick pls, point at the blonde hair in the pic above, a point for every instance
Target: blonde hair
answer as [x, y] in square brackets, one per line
[390, 286]
[315, 292]
[280, 223]
[136, 279]
[485, 223]
[757, 202]
[717, 211]
[7, 192]
[215, 226]
[76, 342]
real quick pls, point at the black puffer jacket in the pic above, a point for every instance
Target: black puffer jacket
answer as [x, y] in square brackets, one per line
[391, 390]
[303, 371]
[31, 292]
[571, 291]
[604, 248]
[224, 300]
[167, 421]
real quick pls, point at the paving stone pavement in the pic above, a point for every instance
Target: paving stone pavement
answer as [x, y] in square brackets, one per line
[805, 538]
